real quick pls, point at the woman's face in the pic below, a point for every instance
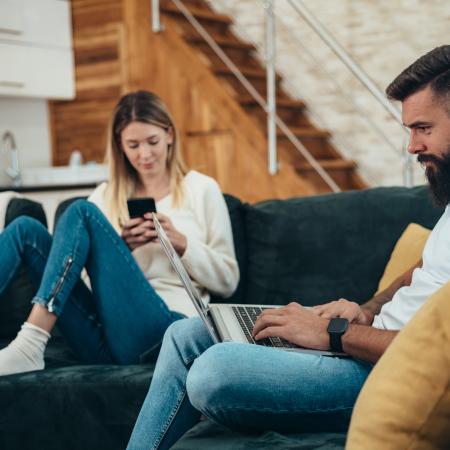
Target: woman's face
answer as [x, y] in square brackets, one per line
[146, 147]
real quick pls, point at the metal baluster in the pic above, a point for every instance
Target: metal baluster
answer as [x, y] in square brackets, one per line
[271, 87]
[156, 20]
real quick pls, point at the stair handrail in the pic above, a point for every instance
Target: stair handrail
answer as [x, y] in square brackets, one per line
[360, 74]
[252, 91]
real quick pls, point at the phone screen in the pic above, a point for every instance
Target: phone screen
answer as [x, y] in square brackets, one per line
[137, 207]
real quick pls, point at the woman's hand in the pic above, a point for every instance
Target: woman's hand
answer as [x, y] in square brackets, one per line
[178, 240]
[138, 231]
[345, 309]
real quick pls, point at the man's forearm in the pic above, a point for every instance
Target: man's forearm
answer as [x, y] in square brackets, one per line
[374, 305]
[368, 343]
[365, 342]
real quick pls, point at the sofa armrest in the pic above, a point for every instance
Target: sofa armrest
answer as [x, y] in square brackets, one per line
[25, 207]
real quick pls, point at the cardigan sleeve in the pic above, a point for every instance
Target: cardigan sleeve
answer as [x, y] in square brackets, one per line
[213, 263]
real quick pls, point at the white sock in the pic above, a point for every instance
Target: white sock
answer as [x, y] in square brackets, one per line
[26, 352]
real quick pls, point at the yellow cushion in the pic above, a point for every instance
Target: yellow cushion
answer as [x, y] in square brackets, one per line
[405, 402]
[407, 252]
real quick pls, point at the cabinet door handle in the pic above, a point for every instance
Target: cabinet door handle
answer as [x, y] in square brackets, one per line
[12, 84]
[10, 31]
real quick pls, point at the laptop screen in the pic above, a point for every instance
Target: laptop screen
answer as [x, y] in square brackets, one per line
[183, 275]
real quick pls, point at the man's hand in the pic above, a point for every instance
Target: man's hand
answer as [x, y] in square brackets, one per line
[345, 309]
[294, 323]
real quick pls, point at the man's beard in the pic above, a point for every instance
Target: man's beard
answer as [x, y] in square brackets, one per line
[438, 177]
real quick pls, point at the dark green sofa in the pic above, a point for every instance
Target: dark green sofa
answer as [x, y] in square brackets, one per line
[311, 249]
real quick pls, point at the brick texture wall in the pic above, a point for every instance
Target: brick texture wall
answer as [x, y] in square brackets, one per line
[383, 36]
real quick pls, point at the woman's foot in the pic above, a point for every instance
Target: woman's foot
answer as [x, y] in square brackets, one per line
[26, 352]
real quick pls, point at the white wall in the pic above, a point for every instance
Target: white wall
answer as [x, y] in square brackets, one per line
[383, 36]
[28, 120]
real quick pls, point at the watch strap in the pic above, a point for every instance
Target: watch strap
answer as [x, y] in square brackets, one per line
[336, 329]
[336, 342]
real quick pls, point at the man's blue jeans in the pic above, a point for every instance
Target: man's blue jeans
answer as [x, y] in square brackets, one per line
[243, 386]
[123, 319]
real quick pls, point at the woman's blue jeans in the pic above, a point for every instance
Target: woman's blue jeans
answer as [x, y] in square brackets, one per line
[122, 320]
[243, 386]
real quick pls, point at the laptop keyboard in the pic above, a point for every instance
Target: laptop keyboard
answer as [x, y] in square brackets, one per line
[246, 316]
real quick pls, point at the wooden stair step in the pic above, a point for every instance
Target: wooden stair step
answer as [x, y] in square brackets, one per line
[302, 132]
[198, 13]
[249, 72]
[327, 164]
[223, 41]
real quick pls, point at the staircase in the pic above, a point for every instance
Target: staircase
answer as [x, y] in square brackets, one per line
[292, 111]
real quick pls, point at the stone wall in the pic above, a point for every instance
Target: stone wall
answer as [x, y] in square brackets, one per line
[382, 36]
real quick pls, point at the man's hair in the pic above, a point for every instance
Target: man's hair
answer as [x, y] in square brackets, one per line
[431, 69]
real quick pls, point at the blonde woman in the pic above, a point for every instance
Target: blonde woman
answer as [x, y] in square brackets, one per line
[134, 294]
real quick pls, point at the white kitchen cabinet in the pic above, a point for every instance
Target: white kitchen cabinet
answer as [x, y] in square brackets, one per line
[36, 49]
[35, 72]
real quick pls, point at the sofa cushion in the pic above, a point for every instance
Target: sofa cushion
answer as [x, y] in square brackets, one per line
[208, 435]
[71, 406]
[317, 249]
[236, 209]
[405, 402]
[407, 252]
[15, 302]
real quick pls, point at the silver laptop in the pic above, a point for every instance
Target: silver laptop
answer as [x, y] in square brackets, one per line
[227, 322]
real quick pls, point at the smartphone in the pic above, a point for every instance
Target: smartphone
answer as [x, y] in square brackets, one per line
[137, 207]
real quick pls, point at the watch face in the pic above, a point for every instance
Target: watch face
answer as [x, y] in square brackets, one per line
[337, 325]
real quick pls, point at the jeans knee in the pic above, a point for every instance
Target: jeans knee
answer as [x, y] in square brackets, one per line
[27, 224]
[213, 379]
[80, 207]
[182, 331]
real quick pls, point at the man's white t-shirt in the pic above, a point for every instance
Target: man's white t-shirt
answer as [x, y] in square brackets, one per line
[426, 280]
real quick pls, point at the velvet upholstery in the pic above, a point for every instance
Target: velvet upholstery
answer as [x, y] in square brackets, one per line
[321, 248]
[313, 249]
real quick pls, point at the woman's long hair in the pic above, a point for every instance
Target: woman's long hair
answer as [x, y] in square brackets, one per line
[146, 107]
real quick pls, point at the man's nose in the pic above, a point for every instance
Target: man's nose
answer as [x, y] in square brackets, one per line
[415, 146]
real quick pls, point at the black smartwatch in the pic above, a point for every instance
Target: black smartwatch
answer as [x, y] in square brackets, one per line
[336, 328]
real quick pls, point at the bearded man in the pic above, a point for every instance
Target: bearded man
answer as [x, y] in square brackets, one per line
[254, 387]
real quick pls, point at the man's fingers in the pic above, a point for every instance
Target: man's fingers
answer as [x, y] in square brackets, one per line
[318, 310]
[273, 312]
[267, 321]
[271, 331]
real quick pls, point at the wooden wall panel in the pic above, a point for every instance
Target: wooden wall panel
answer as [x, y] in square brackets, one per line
[213, 154]
[101, 79]
[91, 13]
